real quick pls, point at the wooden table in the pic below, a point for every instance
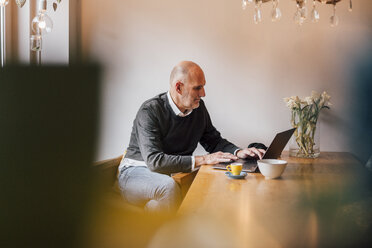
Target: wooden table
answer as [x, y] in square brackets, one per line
[317, 202]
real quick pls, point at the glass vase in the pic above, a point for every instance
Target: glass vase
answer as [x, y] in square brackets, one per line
[305, 142]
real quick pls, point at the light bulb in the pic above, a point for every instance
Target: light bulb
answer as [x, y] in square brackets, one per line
[4, 3]
[42, 24]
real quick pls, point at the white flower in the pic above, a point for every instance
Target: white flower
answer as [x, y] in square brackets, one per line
[287, 100]
[326, 97]
[315, 95]
[292, 102]
[308, 100]
[324, 101]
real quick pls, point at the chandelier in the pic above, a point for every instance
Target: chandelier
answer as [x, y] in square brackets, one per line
[41, 25]
[301, 13]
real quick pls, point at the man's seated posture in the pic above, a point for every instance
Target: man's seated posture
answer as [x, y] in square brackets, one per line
[165, 134]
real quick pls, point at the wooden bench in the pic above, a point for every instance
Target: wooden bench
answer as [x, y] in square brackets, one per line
[108, 170]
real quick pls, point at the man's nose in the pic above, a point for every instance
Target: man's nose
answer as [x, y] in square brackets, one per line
[202, 93]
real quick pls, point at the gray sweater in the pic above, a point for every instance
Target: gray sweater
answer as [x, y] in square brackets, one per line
[166, 141]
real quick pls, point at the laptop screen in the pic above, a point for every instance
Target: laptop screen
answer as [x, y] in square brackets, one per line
[277, 145]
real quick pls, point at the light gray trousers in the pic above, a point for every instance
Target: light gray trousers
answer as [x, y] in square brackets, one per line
[152, 191]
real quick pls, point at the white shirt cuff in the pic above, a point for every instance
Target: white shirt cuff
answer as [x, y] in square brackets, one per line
[192, 163]
[236, 151]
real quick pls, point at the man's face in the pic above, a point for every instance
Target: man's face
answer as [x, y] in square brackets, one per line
[193, 90]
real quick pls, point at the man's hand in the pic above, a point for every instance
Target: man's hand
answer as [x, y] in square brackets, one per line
[250, 152]
[214, 158]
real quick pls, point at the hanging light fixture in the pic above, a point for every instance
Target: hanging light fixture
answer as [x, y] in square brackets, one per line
[257, 12]
[314, 13]
[244, 4]
[276, 14]
[36, 43]
[334, 18]
[42, 24]
[301, 11]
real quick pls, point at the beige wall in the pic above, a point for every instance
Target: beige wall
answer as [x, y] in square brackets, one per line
[56, 44]
[249, 68]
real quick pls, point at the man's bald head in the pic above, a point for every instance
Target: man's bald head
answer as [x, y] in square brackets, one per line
[184, 71]
[187, 85]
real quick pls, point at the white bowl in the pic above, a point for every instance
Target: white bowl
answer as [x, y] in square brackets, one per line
[271, 168]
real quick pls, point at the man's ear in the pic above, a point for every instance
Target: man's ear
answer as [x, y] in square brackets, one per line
[179, 86]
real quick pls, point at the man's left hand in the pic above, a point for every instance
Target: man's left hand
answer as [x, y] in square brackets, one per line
[250, 152]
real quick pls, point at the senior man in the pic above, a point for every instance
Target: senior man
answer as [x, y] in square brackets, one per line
[165, 133]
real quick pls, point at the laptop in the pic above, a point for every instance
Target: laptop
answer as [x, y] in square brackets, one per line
[273, 152]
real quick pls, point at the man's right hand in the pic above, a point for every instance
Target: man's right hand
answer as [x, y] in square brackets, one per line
[214, 158]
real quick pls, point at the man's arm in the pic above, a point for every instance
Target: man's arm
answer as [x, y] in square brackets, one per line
[214, 158]
[250, 152]
[149, 142]
[221, 157]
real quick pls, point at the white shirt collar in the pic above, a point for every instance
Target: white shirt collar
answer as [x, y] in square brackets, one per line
[174, 107]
